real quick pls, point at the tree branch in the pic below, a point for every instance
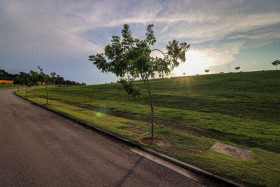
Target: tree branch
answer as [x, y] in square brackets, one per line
[159, 51]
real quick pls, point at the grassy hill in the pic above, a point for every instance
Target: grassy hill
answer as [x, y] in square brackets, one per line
[192, 113]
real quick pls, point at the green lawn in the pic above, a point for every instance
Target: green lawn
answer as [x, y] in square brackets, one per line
[192, 113]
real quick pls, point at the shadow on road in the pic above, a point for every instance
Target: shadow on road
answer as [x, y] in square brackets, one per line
[130, 171]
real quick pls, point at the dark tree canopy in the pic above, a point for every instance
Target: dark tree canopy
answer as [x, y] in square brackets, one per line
[40, 76]
[7, 76]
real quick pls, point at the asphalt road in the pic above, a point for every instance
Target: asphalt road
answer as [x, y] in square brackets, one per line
[38, 147]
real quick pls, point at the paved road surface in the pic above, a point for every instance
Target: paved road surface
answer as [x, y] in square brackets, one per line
[38, 147]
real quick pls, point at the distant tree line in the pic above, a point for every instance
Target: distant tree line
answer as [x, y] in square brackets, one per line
[32, 78]
[7, 76]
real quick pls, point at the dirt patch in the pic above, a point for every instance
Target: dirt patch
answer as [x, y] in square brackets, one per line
[158, 142]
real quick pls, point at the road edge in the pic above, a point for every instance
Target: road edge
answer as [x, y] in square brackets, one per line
[179, 163]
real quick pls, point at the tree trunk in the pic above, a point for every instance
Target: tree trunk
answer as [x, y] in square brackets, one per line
[152, 107]
[47, 94]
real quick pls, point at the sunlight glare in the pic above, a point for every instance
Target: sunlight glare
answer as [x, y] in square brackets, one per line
[100, 114]
[196, 63]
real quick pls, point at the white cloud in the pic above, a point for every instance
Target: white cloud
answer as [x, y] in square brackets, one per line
[223, 53]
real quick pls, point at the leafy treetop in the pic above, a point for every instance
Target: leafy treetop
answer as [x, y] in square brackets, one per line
[131, 56]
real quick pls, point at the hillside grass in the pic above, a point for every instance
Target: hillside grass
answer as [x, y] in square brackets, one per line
[192, 113]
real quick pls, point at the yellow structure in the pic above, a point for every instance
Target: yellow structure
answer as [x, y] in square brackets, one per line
[39, 82]
[6, 82]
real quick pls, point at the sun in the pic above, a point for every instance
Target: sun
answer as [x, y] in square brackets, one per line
[196, 63]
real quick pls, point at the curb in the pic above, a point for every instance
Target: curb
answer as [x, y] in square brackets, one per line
[179, 163]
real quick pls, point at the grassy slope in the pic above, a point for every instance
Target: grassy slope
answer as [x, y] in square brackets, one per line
[192, 113]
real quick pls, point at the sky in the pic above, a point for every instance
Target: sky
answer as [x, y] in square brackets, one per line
[60, 35]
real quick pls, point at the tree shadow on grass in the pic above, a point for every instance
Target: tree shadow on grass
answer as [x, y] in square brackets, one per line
[111, 111]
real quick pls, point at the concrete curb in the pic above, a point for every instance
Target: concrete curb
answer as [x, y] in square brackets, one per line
[179, 163]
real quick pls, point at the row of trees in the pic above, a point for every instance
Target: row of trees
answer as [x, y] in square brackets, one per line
[7, 76]
[275, 63]
[236, 69]
[55, 78]
[34, 78]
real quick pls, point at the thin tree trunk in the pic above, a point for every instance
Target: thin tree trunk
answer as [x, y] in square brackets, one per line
[152, 107]
[47, 94]
[26, 92]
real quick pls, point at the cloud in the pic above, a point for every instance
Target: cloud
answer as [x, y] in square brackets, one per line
[219, 26]
[222, 53]
[29, 26]
[64, 22]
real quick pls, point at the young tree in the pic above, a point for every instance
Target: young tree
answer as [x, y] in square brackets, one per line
[276, 63]
[228, 68]
[44, 78]
[130, 58]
